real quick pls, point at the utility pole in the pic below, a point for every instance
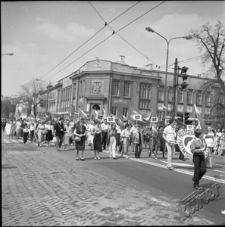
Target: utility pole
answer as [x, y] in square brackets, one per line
[175, 87]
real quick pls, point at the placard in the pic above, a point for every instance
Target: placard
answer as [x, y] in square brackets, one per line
[190, 127]
[137, 117]
[154, 119]
[167, 121]
[99, 117]
[110, 119]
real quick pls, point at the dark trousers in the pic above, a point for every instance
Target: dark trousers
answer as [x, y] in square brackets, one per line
[25, 137]
[137, 150]
[59, 140]
[31, 135]
[104, 139]
[121, 146]
[199, 168]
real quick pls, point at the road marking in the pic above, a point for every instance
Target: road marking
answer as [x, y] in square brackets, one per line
[15, 141]
[179, 164]
[219, 171]
[6, 141]
[220, 165]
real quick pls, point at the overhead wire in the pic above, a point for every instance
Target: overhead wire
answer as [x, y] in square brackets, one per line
[89, 39]
[105, 40]
[120, 35]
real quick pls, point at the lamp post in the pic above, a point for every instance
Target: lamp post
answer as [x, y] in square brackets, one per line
[10, 54]
[167, 56]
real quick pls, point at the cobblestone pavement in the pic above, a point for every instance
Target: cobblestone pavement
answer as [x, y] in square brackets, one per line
[41, 189]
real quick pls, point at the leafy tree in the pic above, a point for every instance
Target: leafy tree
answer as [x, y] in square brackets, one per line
[29, 93]
[211, 41]
[7, 107]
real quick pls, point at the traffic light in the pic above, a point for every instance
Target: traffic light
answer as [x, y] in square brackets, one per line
[186, 116]
[184, 77]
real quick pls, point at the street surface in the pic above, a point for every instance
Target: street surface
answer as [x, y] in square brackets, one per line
[43, 187]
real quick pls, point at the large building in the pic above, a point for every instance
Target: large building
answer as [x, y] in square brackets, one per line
[120, 88]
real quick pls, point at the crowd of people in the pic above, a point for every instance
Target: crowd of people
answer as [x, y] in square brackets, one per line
[117, 137]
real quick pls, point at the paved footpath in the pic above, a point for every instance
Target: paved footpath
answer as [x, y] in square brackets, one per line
[40, 188]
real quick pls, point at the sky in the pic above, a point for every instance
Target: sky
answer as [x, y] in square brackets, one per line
[41, 34]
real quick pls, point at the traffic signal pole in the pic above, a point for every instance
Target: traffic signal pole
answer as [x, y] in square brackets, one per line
[175, 87]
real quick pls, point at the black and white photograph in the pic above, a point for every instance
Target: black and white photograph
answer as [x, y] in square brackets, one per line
[113, 113]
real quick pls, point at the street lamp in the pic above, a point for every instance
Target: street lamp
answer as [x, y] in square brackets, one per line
[167, 55]
[10, 54]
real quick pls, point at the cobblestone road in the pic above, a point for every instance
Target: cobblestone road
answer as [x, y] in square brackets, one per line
[39, 188]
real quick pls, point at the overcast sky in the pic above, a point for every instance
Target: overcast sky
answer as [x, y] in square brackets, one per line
[42, 34]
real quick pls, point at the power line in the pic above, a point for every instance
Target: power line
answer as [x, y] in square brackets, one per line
[120, 35]
[105, 40]
[90, 39]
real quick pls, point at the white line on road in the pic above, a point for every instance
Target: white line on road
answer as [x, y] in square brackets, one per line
[6, 141]
[15, 141]
[219, 171]
[220, 165]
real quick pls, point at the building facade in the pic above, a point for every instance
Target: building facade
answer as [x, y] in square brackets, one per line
[119, 88]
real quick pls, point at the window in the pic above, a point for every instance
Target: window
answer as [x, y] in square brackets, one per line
[207, 99]
[207, 116]
[160, 115]
[126, 91]
[221, 98]
[114, 110]
[125, 112]
[58, 95]
[198, 98]
[170, 94]
[145, 91]
[115, 87]
[180, 96]
[144, 105]
[189, 97]
[161, 94]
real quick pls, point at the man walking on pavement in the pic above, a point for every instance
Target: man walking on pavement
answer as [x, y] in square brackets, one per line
[105, 128]
[169, 134]
[138, 142]
[59, 128]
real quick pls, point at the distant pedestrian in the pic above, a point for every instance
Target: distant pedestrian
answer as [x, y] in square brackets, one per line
[25, 133]
[138, 139]
[68, 134]
[169, 134]
[197, 148]
[105, 128]
[49, 128]
[80, 136]
[112, 141]
[59, 133]
[41, 132]
[125, 135]
[97, 133]
[209, 138]
[32, 131]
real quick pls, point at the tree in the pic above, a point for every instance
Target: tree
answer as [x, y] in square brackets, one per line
[212, 42]
[7, 107]
[29, 93]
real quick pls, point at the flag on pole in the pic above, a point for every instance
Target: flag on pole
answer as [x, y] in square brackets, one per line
[201, 123]
[147, 118]
[164, 107]
[84, 114]
[124, 118]
[119, 121]
[103, 113]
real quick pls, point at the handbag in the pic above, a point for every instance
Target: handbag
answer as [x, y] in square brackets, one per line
[77, 138]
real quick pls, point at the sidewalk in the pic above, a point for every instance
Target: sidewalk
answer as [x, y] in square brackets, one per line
[40, 188]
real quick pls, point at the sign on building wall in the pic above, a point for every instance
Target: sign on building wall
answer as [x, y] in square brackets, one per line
[180, 108]
[97, 87]
[120, 101]
[189, 109]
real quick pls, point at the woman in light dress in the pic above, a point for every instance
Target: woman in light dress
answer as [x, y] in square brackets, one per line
[97, 132]
[10, 129]
[40, 130]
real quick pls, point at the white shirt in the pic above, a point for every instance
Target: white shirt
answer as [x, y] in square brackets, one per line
[118, 129]
[125, 133]
[170, 133]
[104, 127]
[48, 127]
[209, 139]
[133, 129]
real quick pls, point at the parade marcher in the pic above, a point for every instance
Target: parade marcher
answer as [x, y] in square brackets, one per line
[9, 128]
[90, 137]
[3, 124]
[147, 138]
[112, 141]
[217, 141]
[59, 133]
[209, 138]
[18, 129]
[118, 140]
[25, 133]
[169, 134]
[197, 148]
[161, 141]
[138, 138]
[68, 134]
[221, 149]
[105, 128]
[97, 133]
[49, 128]
[125, 135]
[132, 132]
[80, 135]
[41, 132]
[31, 131]
[155, 142]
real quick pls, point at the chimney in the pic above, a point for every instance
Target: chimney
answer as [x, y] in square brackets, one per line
[121, 59]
